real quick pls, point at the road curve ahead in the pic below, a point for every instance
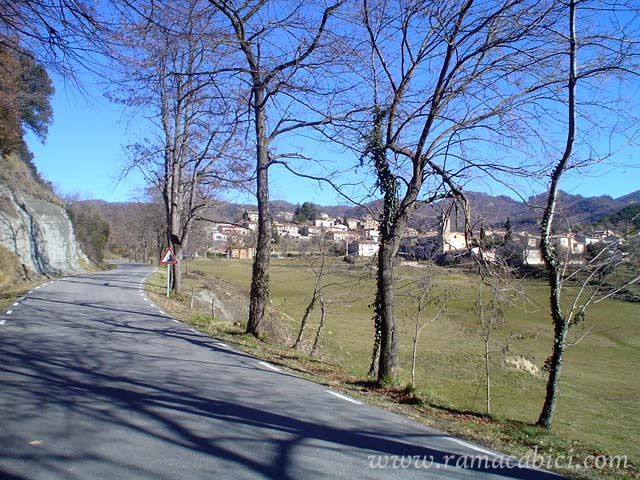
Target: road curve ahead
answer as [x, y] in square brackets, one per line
[96, 382]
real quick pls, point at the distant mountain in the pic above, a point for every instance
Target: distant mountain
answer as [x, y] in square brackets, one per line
[492, 211]
[633, 197]
[623, 218]
[576, 209]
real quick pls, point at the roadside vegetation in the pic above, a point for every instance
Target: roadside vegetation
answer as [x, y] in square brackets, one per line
[597, 413]
[13, 282]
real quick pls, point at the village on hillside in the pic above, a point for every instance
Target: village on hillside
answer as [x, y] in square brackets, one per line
[361, 236]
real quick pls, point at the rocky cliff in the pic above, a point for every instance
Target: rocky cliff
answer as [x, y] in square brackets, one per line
[34, 225]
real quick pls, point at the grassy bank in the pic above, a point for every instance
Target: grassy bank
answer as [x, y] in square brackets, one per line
[598, 410]
[12, 279]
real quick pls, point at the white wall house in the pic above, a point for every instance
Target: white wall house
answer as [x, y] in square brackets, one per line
[290, 230]
[310, 231]
[453, 241]
[532, 256]
[367, 248]
[250, 216]
[323, 222]
[219, 237]
[372, 234]
[352, 223]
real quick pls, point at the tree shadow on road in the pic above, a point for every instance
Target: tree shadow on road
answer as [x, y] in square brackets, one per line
[126, 392]
[170, 409]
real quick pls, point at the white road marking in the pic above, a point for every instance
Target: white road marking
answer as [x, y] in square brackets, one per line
[343, 397]
[37, 287]
[176, 320]
[16, 304]
[470, 446]
[225, 346]
[21, 299]
[30, 291]
[194, 331]
[265, 364]
[2, 322]
[9, 312]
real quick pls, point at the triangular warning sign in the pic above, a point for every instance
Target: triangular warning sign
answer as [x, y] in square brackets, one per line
[168, 257]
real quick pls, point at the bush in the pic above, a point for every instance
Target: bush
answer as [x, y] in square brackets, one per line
[91, 230]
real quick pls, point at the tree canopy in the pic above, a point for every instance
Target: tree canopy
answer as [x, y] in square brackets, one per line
[305, 213]
[25, 94]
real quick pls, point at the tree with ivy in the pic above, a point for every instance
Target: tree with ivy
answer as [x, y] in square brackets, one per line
[439, 75]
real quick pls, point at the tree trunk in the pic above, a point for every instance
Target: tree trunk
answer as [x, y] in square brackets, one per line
[487, 373]
[176, 280]
[554, 363]
[554, 366]
[388, 365]
[303, 323]
[553, 267]
[375, 355]
[312, 303]
[260, 272]
[323, 314]
[414, 353]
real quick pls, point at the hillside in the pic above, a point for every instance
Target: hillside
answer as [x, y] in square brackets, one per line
[493, 210]
[36, 234]
[137, 228]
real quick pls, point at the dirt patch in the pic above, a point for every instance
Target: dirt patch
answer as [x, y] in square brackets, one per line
[522, 364]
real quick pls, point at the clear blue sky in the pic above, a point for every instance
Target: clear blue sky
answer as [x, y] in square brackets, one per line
[83, 155]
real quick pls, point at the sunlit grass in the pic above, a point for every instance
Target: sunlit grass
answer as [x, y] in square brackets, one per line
[600, 392]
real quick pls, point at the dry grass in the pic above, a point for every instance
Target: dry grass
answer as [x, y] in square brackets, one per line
[597, 412]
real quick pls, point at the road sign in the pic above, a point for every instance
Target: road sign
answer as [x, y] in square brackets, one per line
[168, 257]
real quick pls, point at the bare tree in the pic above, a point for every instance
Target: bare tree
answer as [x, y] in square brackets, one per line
[445, 79]
[426, 298]
[277, 58]
[609, 48]
[498, 290]
[60, 34]
[323, 316]
[166, 52]
[318, 273]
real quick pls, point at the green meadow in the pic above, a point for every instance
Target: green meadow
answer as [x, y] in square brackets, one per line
[599, 402]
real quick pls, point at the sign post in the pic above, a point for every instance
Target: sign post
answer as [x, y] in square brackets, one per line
[168, 279]
[168, 258]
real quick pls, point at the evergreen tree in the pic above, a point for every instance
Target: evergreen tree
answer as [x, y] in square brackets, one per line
[305, 213]
[508, 235]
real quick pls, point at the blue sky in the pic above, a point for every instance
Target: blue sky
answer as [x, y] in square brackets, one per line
[83, 155]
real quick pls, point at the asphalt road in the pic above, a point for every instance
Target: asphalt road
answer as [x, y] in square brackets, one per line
[96, 382]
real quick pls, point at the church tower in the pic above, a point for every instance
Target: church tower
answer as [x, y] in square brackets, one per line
[445, 232]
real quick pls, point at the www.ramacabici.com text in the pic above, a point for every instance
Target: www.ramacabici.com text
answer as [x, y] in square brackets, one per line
[487, 462]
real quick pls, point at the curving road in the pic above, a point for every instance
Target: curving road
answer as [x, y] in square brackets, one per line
[96, 382]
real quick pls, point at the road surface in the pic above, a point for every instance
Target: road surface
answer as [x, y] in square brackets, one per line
[96, 382]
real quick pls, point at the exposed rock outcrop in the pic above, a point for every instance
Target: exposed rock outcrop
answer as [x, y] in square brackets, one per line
[37, 230]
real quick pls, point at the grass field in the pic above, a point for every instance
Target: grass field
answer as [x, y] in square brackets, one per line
[599, 401]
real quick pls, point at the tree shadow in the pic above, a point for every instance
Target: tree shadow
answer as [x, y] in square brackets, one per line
[182, 414]
[111, 388]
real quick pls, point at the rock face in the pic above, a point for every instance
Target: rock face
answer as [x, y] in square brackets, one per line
[40, 233]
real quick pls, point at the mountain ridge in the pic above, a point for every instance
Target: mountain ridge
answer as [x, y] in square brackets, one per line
[490, 210]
